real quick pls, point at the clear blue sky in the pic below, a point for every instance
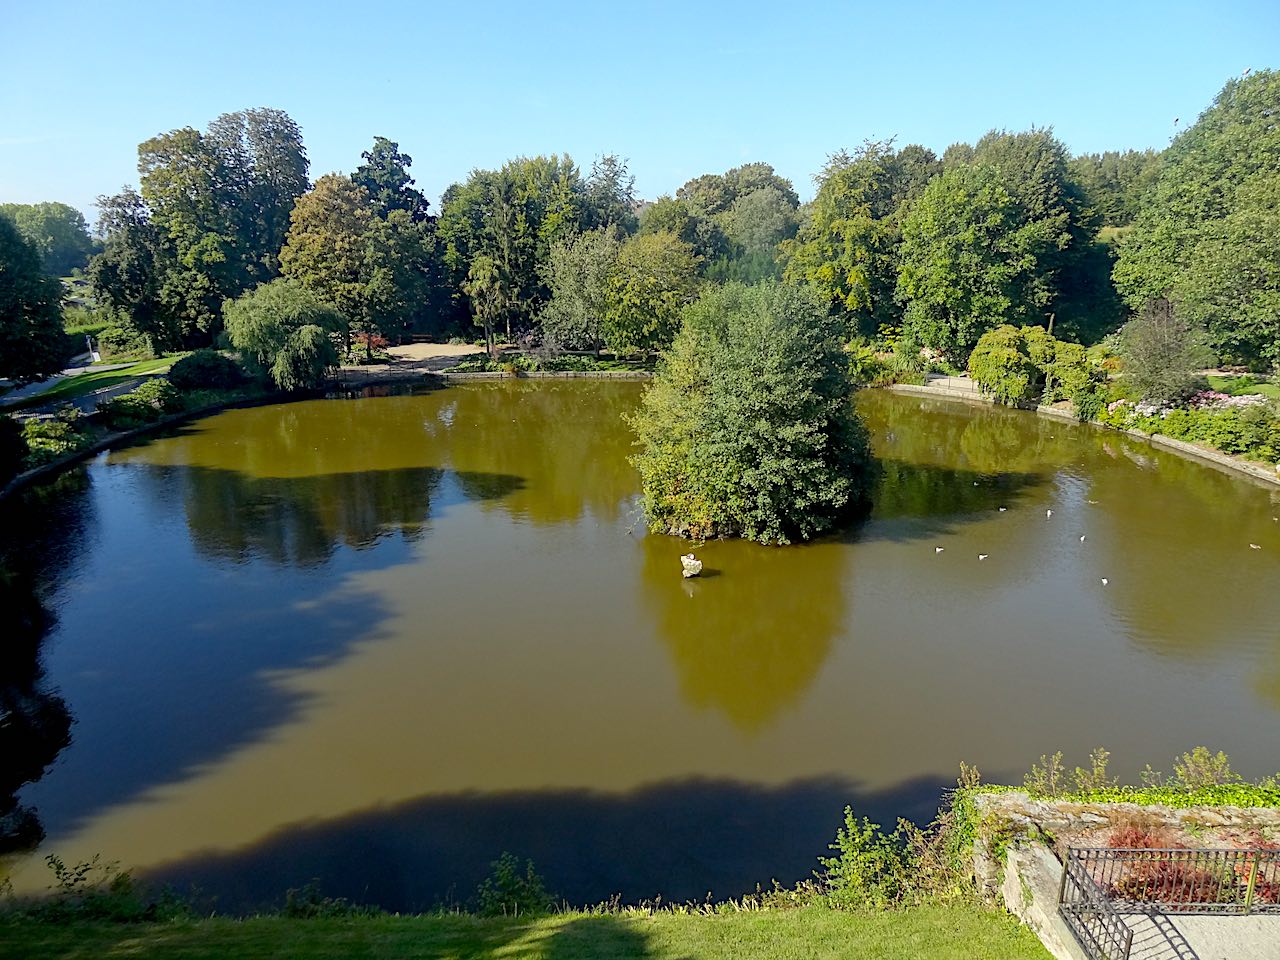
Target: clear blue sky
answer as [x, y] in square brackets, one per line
[678, 88]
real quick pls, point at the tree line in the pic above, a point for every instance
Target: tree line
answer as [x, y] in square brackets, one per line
[902, 243]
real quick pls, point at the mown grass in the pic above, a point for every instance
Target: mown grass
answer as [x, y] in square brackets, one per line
[1239, 386]
[92, 380]
[937, 932]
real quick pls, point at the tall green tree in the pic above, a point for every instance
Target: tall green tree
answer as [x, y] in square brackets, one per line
[32, 345]
[1056, 223]
[217, 204]
[1116, 183]
[1205, 238]
[127, 275]
[262, 154]
[610, 196]
[748, 429]
[966, 259]
[327, 249]
[513, 216]
[489, 289]
[385, 177]
[57, 231]
[848, 250]
[654, 277]
[578, 274]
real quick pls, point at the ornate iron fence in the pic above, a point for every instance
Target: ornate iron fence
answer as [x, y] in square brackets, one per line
[1101, 885]
[1091, 917]
[1184, 881]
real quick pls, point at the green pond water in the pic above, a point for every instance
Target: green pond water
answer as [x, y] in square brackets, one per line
[378, 641]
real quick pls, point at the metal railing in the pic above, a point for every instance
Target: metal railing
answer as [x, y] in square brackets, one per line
[1100, 885]
[1220, 881]
[1090, 915]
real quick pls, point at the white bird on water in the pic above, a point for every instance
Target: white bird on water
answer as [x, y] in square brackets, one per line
[938, 549]
[1003, 509]
[1254, 546]
[1104, 581]
[1048, 514]
[983, 556]
[1082, 538]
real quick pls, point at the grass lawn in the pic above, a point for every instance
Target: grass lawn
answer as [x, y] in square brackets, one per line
[92, 380]
[938, 933]
[1239, 386]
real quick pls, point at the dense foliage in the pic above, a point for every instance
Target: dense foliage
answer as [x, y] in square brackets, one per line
[284, 334]
[1162, 353]
[1208, 236]
[32, 346]
[206, 225]
[1017, 365]
[57, 231]
[205, 370]
[747, 429]
[849, 247]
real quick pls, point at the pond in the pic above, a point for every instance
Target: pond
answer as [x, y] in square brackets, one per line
[378, 641]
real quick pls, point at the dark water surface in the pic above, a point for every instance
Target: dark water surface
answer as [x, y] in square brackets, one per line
[379, 641]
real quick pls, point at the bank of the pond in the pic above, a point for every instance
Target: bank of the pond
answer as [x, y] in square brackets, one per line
[1216, 458]
[119, 438]
[937, 932]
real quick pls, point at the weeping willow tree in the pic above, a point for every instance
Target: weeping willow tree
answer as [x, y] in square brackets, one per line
[748, 429]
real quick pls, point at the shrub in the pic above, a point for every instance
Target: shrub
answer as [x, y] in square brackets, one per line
[1002, 366]
[869, 869]
[509, 891]
[205, 370]
[51, 439]
[1199, 768]
[120, 340]
[149, 402]
[866, 368]
[569, 362]
[747, 429]
[95, 891]
[1162, 353]
[1247, 431]
[306, 903]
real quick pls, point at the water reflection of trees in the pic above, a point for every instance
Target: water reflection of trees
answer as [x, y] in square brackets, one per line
[1202, 591]
[748, 645]
[568, 440]
[43, 532]
[980, 439]
[300, 521]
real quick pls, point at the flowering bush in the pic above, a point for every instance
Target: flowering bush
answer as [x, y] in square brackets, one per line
[1250, 430]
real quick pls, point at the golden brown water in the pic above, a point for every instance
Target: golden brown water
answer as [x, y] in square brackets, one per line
[379, 641]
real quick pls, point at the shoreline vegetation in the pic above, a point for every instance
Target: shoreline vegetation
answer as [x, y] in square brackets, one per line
[352, 379]
[913, 891]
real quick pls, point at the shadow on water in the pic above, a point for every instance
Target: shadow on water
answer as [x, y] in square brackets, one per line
[188, 674]
[40, 530]
[678, 840]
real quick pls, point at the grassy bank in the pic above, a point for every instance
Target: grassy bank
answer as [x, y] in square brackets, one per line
[92, 380]
[936, 932]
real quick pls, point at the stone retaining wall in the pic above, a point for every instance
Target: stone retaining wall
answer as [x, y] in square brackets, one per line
[1014, 817]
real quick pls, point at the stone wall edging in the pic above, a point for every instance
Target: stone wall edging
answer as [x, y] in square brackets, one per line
[1256, 471]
